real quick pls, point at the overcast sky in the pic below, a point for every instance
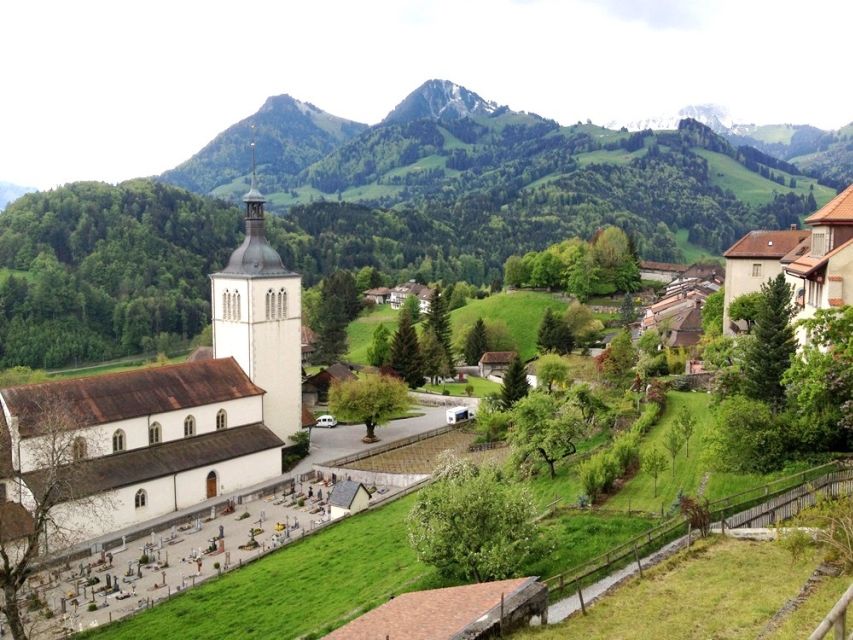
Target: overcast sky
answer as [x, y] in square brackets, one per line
[114, 90]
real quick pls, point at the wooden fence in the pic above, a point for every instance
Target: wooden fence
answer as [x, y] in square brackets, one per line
[836, 619]
[760, 506]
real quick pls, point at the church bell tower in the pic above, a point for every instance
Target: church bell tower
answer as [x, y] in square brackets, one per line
[257, 308]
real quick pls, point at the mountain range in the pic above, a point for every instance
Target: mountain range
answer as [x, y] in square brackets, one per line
[439, 132]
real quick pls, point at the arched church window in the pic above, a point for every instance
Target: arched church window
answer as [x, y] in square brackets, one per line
[282, 304]
[154, 433]
[118, 441]
[189, 426]
[78, 450]
[141, 499]
[221, 420]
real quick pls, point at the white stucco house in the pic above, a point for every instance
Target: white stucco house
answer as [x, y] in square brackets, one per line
[160, 439]
[753, 259]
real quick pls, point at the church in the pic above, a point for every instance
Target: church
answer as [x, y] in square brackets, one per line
[159, 439]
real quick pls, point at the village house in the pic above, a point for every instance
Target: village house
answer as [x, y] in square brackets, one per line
[495, 362]
[753, 259]
[309, 338]
[822, 271]
[379, 295]
[160, 439]
[315, 388]
[660, 271]
[411, 288]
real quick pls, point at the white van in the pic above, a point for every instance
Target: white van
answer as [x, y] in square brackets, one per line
[326, 421]
[459, 414]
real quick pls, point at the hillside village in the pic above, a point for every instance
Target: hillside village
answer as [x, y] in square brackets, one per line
[654, 400]
[439, 368]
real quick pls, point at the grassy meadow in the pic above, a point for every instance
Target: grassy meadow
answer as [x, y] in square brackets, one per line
[720, 588]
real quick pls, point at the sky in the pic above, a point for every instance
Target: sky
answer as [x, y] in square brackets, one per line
[109, 91]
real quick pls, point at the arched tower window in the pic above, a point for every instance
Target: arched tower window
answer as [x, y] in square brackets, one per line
[189, 426]
[141, 499]
[225, 302]
[154, 434]
[282, 304]
[221, 420]
[118, 441]
[78, 449]
[270, 303]
[236, 315]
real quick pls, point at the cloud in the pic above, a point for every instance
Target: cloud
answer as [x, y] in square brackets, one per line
[658, 14]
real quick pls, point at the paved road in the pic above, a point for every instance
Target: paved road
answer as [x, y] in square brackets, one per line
[343, 440]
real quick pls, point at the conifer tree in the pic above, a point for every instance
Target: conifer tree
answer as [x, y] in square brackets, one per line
[433, 358]
[476, 344]
[405, 352]
[515, 385]
[769, 354]
[554, 334]
[627, 311]
[380, 351]
[438, 319]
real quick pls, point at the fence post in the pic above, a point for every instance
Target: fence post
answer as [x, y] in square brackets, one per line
[562, 583]
[637, 558]
[580, 597]
[840, 626]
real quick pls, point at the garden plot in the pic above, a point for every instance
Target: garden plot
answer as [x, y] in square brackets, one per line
[422, 457]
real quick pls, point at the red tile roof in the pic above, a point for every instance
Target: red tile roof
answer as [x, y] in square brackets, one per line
[120, 396]
[438, 614]
[839, 209]
[767, 244]
[800, 250]
[662, 266]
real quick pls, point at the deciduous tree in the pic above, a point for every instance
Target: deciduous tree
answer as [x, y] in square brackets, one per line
[654, 463]
[543, 427]
[372, 399]
[472, 524]
[552, 369]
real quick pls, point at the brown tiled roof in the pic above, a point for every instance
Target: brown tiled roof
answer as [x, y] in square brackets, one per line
[146, 463]
[378, 291]
[15, 521]
[498, 357]
[766, 244]
[806, 265]
[119, 396]
[308, 418]
[839, 209]
[800, 250]
[662, 266]
[438, 614]
[6, 468]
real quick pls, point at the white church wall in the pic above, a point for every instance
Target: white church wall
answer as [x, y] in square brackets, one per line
[231, 475]
[231, 337]
[239, 412]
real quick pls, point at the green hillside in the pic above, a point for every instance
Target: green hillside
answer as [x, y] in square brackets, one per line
[522, 312]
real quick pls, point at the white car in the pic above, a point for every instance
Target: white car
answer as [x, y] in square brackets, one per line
[327, 421]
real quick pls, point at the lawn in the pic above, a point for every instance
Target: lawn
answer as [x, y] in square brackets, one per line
[721, 588]
[522, 312]
[360, 331]
[482, 387]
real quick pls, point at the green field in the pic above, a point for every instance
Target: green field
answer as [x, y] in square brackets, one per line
[482, 387]
[115, 366]
[752, 188]
[617, 156]
[721, 588]
[360, 331]
[693, 252]
[522, 312]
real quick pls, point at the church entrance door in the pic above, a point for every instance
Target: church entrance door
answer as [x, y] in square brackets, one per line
[211, 484]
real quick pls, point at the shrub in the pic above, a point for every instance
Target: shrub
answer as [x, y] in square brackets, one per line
[680, 383]
[92, 607]
[626, 450]
[656, 392]
[144, 559]
[591, 476]
[216, 566]
[647, 419]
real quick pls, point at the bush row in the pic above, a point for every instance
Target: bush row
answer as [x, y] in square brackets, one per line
[600, 471]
